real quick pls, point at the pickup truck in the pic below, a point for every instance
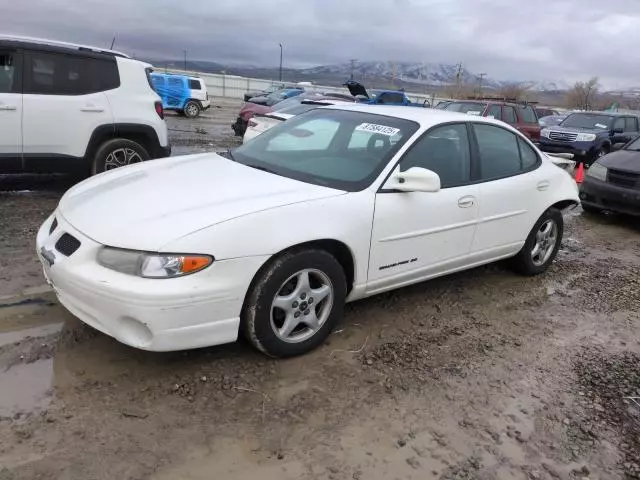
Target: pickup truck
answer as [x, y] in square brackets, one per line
[379, 97]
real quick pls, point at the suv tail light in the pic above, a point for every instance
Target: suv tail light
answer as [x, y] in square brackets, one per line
[159, 110]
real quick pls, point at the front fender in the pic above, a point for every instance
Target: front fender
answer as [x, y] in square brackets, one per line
[345, 218]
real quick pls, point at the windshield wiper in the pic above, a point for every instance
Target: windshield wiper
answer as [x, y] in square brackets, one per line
[264, 169]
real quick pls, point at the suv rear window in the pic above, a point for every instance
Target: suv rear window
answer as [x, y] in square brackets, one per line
[194, 84]
[527, 114]
[59, 74]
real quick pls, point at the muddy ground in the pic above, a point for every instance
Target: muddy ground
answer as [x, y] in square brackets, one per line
[482, 375]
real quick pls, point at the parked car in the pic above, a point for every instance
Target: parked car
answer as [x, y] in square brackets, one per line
[519, 115]
[250, 109]
[441, 105]
[185, 94]
[277, 96]
[379, 97]
[613, 182]
[546, 111]
[260, 123]
[551, 120]
[272, 238]
[71, 107]
[589, 135]
[263, 93]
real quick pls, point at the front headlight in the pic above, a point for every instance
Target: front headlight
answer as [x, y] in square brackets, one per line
[544, 132]
[585, 137]
[598, 171]
[152, 265]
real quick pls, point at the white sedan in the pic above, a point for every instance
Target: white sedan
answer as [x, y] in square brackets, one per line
[272, 238]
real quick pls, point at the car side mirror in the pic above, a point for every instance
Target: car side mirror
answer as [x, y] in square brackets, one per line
[416, 179]
[618, 130]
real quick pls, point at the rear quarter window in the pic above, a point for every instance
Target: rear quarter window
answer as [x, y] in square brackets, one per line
[195, 84]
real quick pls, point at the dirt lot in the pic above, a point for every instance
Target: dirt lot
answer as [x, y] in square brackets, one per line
[483, 375]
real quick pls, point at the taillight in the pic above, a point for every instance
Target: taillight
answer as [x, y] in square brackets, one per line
[253, 123]
[159, 109]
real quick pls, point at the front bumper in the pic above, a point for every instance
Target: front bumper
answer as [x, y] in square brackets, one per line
[240, 126]
[194, 311]
[604, 195]
[580, 150]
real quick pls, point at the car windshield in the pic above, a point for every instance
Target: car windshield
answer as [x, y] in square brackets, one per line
[339, 149]
[472, 108]
[294, 101]
[588, 120]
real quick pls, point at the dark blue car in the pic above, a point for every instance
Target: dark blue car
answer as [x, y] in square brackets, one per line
[589, 135]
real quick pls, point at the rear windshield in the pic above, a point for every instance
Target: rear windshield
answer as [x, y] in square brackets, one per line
[472, 108]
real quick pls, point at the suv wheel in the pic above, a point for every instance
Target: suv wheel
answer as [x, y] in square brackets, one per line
[294, 303]
[191, 109]
[118, 152]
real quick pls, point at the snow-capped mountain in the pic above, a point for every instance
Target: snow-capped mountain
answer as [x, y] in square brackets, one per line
[424, 73]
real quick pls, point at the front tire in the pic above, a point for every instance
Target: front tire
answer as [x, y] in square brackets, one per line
[118, 152]
[542, 244]
[191, 109]
[294, 303]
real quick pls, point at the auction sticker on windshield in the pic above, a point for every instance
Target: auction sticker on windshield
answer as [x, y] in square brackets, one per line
[374, 128]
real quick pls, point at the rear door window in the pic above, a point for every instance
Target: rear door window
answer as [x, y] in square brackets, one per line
[509, 114]
[528, 115]
[499, 152]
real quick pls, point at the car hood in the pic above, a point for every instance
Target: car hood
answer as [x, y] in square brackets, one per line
[356, 88]
[146, 206]
[558, 128]
[626, 160]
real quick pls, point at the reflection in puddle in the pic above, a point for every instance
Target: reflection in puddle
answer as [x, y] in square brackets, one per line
[24, 387]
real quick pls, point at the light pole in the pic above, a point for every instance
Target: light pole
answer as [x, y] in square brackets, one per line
[185, 60]
[280, 61]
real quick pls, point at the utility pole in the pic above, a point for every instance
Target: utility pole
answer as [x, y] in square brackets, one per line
[280, 61]
[185, 60]
[353, 66]
[458, 79]
[480, 78]
[113, 42]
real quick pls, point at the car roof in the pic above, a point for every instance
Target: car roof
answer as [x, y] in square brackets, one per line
[26, 41]
[607, 114]
[426, 117]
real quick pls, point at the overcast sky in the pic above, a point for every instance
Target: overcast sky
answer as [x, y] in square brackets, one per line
[565, 40]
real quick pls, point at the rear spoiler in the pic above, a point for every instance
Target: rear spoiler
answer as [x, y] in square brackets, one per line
[562, 160]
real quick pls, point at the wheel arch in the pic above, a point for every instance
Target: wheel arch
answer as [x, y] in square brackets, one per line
[564, 204]
[145, 135]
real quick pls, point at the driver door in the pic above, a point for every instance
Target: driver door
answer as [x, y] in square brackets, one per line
[417, 235]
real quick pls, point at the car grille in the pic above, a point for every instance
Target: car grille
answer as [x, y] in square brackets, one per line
[624, 179]
[67, 244]
[563, 136]
[54, 225]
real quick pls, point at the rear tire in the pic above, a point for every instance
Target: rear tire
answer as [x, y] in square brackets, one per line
[542, 244]
[294, 303]
[191, 109]
[118, 152]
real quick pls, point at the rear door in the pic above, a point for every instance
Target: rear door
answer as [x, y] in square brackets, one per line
[512, 191]
[10, 110]
[528, 122]
[64, 102]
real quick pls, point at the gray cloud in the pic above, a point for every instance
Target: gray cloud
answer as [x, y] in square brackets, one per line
[549, 39]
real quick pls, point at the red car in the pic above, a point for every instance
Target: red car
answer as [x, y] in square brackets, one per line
[519, 115]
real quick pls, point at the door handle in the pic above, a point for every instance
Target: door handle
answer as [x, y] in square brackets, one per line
[543, 185]
[466, 202]
[8, 107]
[92, 108]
